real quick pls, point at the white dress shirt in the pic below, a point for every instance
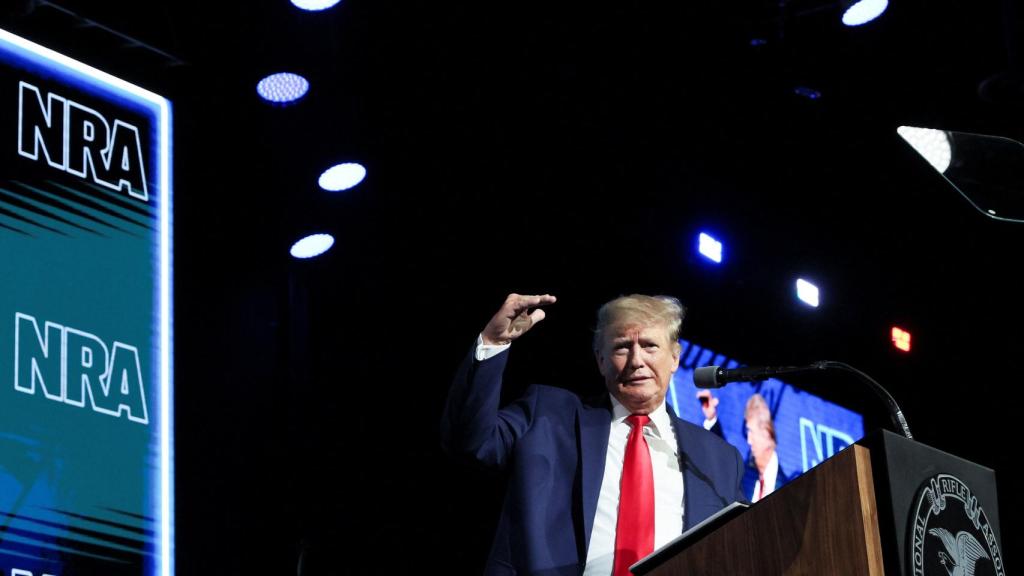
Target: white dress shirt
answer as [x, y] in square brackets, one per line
[485, 351]
[771, 474]
[668, 487]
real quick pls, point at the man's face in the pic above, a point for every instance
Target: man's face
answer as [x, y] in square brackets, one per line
[761, 444]
[637, 362]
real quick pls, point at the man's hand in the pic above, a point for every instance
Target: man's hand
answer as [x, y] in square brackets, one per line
[517, 315]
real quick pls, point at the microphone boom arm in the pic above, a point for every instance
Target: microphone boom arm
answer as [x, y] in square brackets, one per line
[895, 413]
[716, 377]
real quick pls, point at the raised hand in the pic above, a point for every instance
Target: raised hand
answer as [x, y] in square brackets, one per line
[515, 317]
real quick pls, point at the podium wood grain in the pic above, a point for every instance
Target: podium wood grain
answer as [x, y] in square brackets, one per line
[824, 522]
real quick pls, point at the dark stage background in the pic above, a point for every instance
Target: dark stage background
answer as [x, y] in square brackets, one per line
[544, 148]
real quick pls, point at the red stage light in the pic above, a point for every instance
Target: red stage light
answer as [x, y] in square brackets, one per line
[901, 339]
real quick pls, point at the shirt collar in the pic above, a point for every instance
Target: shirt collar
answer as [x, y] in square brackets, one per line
[660, 419]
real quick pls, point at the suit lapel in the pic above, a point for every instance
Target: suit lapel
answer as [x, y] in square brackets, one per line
[593, 426]
[687, 496]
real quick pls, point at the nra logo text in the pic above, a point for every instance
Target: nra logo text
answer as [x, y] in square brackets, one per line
[75, 367]
[78, 140]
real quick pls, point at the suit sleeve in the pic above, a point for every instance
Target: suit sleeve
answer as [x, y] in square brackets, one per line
[740, 496]
[473, 426]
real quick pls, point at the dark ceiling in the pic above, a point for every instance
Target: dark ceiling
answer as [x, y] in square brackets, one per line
[539, 147]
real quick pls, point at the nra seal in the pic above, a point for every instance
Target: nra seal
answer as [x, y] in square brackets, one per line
[951, 535]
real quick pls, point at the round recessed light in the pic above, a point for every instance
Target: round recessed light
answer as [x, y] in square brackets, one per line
[342, 177]
[864, 11]
[312, 245]
[314, 5]
[282, 88]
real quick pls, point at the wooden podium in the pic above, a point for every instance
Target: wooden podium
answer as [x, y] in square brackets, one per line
[882, 506]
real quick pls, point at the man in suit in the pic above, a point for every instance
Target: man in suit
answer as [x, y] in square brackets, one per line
[763, 474]
[586, 495]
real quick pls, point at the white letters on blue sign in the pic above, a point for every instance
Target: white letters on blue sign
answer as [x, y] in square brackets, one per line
[75, 367]
[819, 442]
[79, 140]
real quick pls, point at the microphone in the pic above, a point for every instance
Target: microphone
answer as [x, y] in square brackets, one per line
[716, 376]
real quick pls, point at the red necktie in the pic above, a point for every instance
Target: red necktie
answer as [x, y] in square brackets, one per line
[634, 533]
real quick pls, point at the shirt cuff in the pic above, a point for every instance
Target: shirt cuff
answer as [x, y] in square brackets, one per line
[485, 351]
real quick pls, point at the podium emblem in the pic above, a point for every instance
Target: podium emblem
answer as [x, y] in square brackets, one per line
[950, 532]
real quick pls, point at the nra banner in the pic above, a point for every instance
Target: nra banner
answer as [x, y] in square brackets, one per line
[85, 320]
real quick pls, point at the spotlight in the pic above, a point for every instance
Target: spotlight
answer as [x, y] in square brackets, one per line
[709, 248]
[282, 88]
[312, 245]
[807, 292]
[901, 339]
[342, 177]
[933, 145]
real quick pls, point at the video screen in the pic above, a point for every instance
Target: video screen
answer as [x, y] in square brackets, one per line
[780, 430]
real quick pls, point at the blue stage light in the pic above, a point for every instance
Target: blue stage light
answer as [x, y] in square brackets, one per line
[709, 248]
[314, 5]
[809, 93]
[312, 245]
[864, 11]
[807, 292]
[282, 88]
[342, 177]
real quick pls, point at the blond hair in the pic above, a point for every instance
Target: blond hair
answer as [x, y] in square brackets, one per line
[758, 408]
[640, 309]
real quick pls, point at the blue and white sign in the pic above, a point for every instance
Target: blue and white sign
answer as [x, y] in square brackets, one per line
[86, 479]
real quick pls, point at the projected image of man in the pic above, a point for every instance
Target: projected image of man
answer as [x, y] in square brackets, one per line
[763, 475]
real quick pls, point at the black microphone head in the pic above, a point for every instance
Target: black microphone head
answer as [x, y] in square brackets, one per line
[706, 377]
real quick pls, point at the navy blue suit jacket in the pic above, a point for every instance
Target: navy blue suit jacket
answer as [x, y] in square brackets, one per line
[553, 446]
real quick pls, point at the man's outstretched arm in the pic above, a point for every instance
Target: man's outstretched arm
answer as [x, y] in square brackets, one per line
[472, 424]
